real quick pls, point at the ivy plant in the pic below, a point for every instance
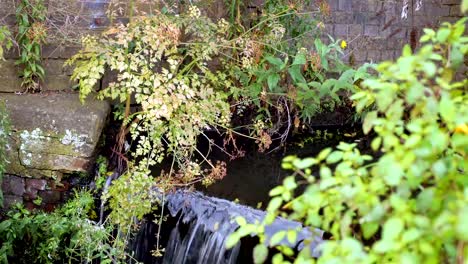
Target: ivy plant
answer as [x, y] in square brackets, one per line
[408, 203]
[5, 40]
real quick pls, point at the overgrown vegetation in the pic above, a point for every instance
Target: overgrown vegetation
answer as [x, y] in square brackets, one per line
[66, 235]
[410, 204]
[178, 76]
[30, 18]
[188, 75]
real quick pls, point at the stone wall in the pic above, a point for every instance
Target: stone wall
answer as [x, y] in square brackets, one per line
[374, 29]
[34, 193]
[54, 135]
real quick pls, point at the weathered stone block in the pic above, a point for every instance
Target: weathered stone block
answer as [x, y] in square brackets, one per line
[341, 31]
[57, 83]
[345, 5]
[13, 185]
[38, 184]
[54, 66]
[55, 133]
[10, 200]
[355, 30]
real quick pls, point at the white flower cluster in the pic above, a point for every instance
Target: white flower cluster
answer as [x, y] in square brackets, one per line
[194, 12]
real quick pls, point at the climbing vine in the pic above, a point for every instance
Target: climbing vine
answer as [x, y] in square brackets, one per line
[30, 17]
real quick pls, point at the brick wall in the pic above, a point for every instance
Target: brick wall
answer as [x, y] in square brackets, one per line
[34, 193]
[375, 30]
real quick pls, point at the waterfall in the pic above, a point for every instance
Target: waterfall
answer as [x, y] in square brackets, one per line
[201, 226]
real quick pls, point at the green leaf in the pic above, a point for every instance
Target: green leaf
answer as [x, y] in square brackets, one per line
[447, 108]
[430, 69]
[334, 157]
[464, 6]
[304, 163]
[277, 62]
[325, 172]
[391, 170]
[456, 57]
[443, 34]
[274, 204]
[277, 238]
[392, 228]
[277, 190]
[368, 123]
[462, 226]
[383, 246]
[260, 253]
[272, 81]
[375, 145]
[439, 169]
[324, 154]
[369, 229]
[411, 235]
[406, 51]
[289, 183]
[232, 240]
[296, 74]
[277, 259]
[300, 59]
[292, 236]
[241, 221]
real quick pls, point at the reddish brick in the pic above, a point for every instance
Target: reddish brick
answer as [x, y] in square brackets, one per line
[38, 184]
[50, 197]
[59, 187]
[50, 207]
[30, 206]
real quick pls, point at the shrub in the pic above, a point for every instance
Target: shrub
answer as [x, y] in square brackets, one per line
[66, 235]
[410, 205]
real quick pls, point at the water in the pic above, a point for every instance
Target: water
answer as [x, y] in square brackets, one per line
[200, 226]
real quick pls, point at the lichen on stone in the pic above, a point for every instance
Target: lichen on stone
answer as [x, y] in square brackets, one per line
[29, 139]
[74, 139]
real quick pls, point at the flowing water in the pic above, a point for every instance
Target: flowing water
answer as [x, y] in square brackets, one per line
[200, 226]
[197, 225]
